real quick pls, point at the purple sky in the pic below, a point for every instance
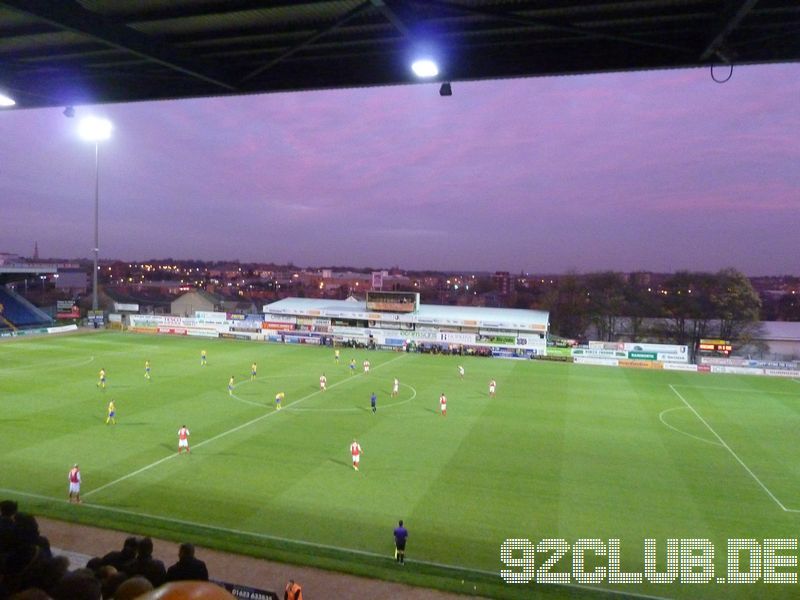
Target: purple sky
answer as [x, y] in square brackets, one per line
[657, 171]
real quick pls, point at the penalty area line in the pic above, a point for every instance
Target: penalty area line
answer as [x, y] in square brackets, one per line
[319, 546]
[223, 434]
[736, 456]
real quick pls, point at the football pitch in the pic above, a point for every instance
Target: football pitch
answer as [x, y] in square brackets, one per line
[563, 451]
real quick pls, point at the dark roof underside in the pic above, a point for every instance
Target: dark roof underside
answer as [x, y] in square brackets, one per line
[67, 52]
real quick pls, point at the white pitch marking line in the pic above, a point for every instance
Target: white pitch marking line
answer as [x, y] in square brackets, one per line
[661, 418]
[736, 456]
[354, 409]
[736, 390]
[64, 364]
[221, 435]
[266, 536]
[261, 404]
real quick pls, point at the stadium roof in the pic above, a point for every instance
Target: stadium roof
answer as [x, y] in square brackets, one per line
[72, 52]
[431, 314]
[28, 269]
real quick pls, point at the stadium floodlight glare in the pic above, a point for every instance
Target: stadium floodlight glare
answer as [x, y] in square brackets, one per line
[425, 68]
[6, 101]
[94, 129]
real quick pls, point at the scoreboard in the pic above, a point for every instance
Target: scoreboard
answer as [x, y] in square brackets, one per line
[716, 346]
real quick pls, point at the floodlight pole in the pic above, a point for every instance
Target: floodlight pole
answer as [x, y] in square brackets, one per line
[95, 130]
[96, 219]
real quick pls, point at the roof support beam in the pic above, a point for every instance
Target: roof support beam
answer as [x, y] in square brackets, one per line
[728, 21]
[350, 14]
[513, 17]
[69, 15]
[390, 11]
[134, 13]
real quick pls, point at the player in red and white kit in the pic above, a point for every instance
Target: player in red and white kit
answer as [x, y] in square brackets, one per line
[74, 478]
[323, 381]
[183, 439]
[492, 388]
[366, 366]
[443, 404]
[356, 452]
[395, 387]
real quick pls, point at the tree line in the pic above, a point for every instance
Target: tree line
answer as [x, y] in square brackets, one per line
[684, 307]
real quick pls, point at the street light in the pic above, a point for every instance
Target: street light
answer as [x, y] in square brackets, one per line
[93, 129]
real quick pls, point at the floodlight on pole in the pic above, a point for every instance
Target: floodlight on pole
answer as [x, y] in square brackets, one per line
[6, 101]
[93, 129]
[425, 68]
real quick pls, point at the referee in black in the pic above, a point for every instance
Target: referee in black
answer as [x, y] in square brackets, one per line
[400, 536]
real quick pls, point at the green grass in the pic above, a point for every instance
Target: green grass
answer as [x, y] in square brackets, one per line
[564, 451]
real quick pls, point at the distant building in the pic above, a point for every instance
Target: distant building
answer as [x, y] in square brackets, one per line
[237, 305]
[781, 338]
[196, 300]
[502, 282]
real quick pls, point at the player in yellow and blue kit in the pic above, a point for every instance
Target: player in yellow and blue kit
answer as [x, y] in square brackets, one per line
[278, 399]
[230, 386]
[147, 370]
[112, 413]
[203, 358]
[253, 369]
[101, 383]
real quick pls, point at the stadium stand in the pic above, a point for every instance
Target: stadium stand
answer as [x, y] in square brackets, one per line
[17, 312]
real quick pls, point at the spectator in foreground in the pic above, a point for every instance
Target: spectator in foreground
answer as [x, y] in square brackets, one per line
[120, 558]
[132, 588]
[78, 585]
[8, 508]
[26, 532]
[147, 566]
[110, 584]
[31, 594]
[187, 567]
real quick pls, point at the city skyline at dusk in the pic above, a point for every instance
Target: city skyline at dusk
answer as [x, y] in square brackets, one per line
[656, 171]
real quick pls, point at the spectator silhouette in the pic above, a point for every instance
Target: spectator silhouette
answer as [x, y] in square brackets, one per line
[31, 594]
[110, 584]
[187, 567]
[21, 568]
[8, 508]
[120, 558]
[133, 588]
[26, 532]
[78, 585]
[147, 566]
